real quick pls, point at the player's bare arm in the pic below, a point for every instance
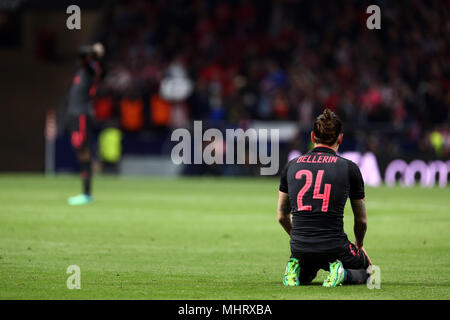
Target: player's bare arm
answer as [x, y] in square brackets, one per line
[360, 223]
[284, 212]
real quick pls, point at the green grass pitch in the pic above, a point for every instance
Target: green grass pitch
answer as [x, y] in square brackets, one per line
[201, 238]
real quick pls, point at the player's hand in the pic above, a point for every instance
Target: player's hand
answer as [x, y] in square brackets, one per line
[367, 256]
[361, 248]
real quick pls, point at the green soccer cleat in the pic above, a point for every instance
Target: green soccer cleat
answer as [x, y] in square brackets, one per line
[80, 200]
[291, 276]
[336, 276]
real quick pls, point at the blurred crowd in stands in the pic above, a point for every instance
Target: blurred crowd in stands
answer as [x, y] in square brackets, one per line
[170, 62]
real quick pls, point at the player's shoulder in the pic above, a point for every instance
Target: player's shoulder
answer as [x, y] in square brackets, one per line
[352, 166]
[289, 163]
[346, 160]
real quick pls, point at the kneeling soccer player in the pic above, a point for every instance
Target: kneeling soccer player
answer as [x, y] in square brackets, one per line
[312, 195]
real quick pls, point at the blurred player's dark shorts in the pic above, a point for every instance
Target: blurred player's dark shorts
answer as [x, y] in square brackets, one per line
[310, 263]
[80, 127]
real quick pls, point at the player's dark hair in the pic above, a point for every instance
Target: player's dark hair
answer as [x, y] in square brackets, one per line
[327, 127]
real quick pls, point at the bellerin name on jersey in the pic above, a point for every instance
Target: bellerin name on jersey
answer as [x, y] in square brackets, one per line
[317, 159]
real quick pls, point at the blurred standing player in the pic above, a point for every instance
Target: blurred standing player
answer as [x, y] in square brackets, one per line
[314, 189]
[80, 114]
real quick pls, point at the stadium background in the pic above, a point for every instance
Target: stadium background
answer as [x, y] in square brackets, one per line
[274, 64]
[250, 63]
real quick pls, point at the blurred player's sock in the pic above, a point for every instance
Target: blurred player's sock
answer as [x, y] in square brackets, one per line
[86, 173]
[292, 274]
[80, 199]
[85, 197]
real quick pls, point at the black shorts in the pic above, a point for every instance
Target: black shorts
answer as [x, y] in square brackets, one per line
[80, 127]
[311, 263]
